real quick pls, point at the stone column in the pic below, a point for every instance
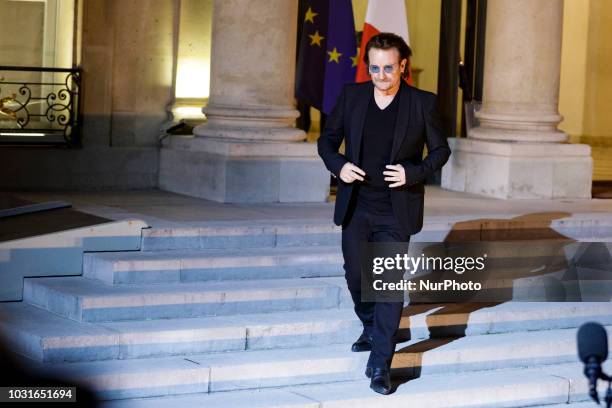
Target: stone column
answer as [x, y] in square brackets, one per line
[522, 69]
[517, 150]
[253, 71]
[248, 150]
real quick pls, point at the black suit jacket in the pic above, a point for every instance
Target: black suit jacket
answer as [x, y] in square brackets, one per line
[418, 124]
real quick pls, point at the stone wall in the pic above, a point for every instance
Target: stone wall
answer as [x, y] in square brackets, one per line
[128, 54]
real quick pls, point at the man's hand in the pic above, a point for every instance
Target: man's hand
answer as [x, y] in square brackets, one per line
[350, 173]
[396, 174]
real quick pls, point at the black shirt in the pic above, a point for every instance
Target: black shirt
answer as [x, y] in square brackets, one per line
[375, 154]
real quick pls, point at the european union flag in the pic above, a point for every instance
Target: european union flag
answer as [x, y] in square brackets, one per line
[328, 53]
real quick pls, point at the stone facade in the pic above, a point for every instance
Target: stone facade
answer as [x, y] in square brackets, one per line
[131, 60]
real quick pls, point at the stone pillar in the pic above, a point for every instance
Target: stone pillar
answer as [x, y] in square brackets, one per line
[248, 150]
[517, 150]
[521, 82]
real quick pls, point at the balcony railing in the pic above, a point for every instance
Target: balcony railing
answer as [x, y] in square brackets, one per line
[40, 105]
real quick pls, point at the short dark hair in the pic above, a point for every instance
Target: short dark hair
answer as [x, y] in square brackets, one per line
[386, 41]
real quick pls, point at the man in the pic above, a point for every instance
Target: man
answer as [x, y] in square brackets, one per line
[385, 124]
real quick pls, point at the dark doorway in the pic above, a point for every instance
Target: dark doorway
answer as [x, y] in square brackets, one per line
[455, 72]
[472, 71]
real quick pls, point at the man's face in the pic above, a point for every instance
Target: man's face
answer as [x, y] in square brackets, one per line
[382, 61]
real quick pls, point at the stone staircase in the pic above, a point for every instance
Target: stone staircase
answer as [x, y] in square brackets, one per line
[259, 316]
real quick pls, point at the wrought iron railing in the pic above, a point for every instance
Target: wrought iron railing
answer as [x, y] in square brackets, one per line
[40, 105]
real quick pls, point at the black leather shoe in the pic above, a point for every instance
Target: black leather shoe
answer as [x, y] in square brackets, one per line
[363, 343]
[381, 381]
[368, 372]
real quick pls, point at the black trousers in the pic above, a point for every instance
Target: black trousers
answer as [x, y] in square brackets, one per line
[380, 319]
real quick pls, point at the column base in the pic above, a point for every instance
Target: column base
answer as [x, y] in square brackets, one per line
[243, 172]
[519, 170]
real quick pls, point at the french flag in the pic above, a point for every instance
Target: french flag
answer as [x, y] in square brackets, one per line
[382, 16]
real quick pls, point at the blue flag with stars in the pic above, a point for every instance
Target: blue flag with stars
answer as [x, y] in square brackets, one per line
[327, 56]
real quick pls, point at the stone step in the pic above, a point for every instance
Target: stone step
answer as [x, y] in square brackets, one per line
[53, 243]
[582, 404]
[557, 384]
[239, 235]
[47, 337]
[266, 398]
[508, 266]
[264, 263]
[496, 388]
[205, 265]
[83, 299]
[231, 371]
[291, 233]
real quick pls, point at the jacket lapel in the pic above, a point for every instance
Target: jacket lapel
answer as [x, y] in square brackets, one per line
[403, 118]
[359, 115]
